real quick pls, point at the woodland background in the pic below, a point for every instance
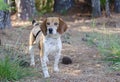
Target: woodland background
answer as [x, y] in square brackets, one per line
[28, 9]
[92, 40]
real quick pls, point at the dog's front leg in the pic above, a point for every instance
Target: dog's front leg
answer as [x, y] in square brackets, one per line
[44, 66]
[31, 51]
[57, 57]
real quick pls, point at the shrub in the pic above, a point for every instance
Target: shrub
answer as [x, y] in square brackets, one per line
[3, 5]
[44, 6]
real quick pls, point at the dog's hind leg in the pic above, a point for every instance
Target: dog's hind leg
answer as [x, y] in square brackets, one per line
[31, 49]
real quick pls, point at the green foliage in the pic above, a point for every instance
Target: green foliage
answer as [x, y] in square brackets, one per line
[13, 6]
[9, 66]
[44, 6]
[108, 45]
[103, 2]
[3, 5]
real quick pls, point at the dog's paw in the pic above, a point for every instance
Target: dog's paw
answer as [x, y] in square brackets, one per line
[56, 69]
[46, 74]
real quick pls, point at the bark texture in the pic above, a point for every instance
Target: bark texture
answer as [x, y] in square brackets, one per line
[96, 9]
[117, 6]
[61, 6]
[26, 9]
[107, 8]
[5, 21]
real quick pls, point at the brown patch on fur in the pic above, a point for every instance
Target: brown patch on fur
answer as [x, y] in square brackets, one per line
[31, 39]
[41, 47]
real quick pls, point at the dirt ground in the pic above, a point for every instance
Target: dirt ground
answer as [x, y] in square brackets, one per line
[87, 65]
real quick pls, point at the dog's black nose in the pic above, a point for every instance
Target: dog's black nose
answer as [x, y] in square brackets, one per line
[50, 30]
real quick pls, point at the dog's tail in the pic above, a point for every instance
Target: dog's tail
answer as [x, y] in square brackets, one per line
[36, 30]
[35, 23]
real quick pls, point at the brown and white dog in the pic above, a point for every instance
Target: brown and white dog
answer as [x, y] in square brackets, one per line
[48, 36]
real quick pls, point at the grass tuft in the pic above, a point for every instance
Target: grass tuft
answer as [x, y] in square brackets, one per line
[109, 46]
[10, 69]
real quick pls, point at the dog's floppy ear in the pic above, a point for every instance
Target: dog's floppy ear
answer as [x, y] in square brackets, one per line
[44, 27]
[62, 26]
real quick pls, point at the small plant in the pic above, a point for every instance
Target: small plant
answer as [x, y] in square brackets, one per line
[10, 69]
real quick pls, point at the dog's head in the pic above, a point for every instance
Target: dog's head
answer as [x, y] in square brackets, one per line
[53, 25]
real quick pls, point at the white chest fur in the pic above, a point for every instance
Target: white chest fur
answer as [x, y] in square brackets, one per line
[52, 45]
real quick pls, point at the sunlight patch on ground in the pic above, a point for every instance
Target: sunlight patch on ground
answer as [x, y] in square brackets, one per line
[100, 30]
[21, 23]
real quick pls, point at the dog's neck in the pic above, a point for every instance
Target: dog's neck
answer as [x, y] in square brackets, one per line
[55, 36]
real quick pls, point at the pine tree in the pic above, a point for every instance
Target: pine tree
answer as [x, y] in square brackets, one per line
[4, 15]
[107, 8]
[62, 6]
[96, 9]
[25, 9]
[117, 6]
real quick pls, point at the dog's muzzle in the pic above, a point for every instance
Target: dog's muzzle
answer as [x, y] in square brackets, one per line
[50, 30]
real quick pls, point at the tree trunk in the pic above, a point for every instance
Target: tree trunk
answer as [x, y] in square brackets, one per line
[5, 21]
[5, 18]
[96, 9]
[61, 6]
[117, 6]
[26, 9]
[0, 41]
[107, 8]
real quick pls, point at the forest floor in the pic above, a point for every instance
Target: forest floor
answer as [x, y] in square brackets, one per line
[87, 65]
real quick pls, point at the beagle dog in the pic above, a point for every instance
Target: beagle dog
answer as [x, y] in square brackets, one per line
[48, 37]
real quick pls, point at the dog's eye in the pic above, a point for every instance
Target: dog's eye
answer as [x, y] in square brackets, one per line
[48, 23]
[55, 23]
